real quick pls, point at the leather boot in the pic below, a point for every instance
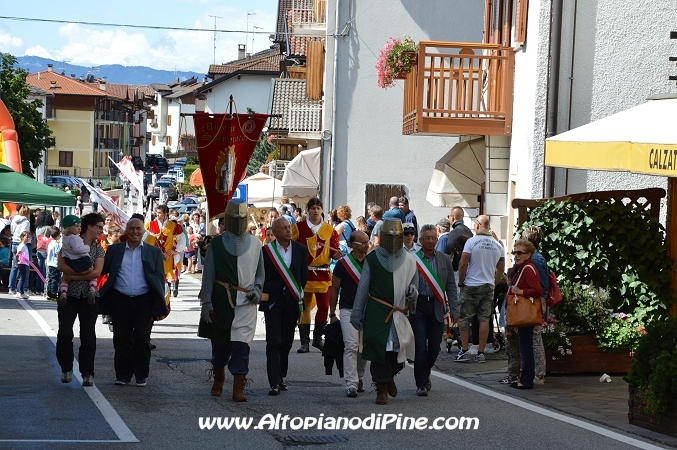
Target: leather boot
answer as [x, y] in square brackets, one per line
[239, 382]
[317, 336]
[381, 393]
[392, 387]
[219, 379]
[175, 292]
[304, 334]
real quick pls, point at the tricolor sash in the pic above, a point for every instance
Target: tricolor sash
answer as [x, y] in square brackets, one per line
[284, 272]
[353, 267]
[431, 277]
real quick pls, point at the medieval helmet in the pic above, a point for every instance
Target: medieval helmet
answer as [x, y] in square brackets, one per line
[391, 235]
[236, 217]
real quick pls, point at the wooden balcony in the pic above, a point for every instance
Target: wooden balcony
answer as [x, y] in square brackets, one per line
[459, 89]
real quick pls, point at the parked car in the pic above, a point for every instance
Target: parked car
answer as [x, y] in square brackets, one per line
[190, 201]
[169, 177]
[180, 161]
[138, 162]
[184, 209]
[61, 181]
[159, 161]
[172, 192]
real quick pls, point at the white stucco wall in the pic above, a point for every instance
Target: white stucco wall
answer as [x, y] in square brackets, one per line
[613, 56]
[620, 58]
[368, 141]
[529, 105]
[251, 91]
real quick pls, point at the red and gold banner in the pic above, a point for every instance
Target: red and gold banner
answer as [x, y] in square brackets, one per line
[225, 144]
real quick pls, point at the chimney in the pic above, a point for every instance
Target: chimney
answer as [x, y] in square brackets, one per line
[72, 75]
[241, 51]
[52, 84]
[249, 55]
[50, 67]
[102, 85]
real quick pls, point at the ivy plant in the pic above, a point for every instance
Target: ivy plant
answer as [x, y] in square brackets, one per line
[608, 244]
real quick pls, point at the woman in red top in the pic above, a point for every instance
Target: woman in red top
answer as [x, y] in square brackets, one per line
[525, 282]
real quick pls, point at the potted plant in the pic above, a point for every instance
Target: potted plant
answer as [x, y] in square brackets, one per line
[652, 379]
[395, 60]
[583, 335]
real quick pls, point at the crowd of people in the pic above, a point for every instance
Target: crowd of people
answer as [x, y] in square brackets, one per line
[383, 288]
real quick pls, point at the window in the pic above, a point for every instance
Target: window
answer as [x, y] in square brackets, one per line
[65, 159]
[168, 141]
[521, 9]
[169, 121]
[154, 139]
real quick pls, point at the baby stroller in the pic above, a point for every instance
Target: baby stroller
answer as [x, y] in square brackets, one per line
[496, 338]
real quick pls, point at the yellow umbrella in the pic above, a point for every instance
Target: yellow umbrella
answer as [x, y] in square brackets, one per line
[642, 139]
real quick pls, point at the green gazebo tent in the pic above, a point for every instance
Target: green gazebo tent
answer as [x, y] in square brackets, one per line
[18, 188]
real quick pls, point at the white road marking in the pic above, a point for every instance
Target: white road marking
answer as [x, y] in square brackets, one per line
[544, 412]
[111, 416]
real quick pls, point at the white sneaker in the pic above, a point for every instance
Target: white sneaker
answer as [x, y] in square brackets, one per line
[25, 296]
[18, 296]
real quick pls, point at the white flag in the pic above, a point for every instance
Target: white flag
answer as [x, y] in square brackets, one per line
[108, 206]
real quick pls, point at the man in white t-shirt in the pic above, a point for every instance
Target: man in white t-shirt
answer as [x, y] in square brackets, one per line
[480, 268]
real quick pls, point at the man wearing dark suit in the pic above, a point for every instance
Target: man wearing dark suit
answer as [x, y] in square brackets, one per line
[282, 308]
[133, 294]
[427, 322]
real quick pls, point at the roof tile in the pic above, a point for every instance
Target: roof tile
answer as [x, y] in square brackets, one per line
[64, 85]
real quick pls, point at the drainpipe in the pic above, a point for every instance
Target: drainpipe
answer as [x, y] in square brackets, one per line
[553, 89]
[332, 157]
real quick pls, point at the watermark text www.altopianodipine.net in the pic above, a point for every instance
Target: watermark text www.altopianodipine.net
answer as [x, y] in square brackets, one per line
[322, 422]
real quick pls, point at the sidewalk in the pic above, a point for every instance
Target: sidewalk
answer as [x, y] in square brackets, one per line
[581, 396]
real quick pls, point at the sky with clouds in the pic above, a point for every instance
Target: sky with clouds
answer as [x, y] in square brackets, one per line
[89, 45]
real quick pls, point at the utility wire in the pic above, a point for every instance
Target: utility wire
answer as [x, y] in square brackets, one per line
[101, 24]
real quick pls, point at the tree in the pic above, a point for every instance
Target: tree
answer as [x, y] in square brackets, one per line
[260, 156]
[33, 133]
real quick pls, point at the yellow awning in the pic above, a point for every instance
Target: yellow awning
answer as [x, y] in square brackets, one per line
[642, 139]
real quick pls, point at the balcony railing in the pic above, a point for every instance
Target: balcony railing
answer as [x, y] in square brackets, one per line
[459, 89]
[305, 116]
[309, 16]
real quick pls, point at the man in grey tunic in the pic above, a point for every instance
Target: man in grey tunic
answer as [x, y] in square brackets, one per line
[231, 288]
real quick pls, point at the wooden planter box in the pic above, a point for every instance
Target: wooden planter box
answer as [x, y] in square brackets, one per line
[587, 357]
[665, 424]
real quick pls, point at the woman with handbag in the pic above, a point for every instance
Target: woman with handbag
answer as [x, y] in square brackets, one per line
[525, 292]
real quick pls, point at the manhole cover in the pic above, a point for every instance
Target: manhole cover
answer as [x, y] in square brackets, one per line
[312, 383]
[180, 360]
[305, 439]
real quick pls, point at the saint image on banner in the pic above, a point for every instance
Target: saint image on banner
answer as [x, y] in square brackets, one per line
[226, 170]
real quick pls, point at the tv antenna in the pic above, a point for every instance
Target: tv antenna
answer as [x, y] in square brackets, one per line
[254, 27]
[215, 17]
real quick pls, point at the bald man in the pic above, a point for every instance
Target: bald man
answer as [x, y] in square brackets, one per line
[481, 267]
[133, 294]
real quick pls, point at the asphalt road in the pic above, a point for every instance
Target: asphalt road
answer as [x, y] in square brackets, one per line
[38, 411]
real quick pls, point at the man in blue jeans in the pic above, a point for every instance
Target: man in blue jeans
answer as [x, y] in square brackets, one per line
[436, 296]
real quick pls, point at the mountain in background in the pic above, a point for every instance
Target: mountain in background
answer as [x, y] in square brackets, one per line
[114, 73]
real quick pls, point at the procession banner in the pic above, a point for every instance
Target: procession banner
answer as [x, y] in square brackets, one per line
[225, 144]
[135, 177]
[108, 206]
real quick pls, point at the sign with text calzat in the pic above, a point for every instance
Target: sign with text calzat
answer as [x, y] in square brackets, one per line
[225, 144]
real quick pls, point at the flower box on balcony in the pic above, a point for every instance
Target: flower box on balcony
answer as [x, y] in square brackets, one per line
[587, 357]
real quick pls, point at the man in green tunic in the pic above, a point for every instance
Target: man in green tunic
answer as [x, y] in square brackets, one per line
[232, 283]
[387, 291]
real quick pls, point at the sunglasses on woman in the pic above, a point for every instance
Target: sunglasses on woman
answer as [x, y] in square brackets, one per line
[517, 252]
